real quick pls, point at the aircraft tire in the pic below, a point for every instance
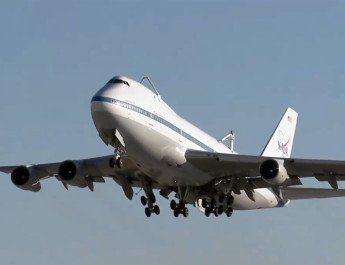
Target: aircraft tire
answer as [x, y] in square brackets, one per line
[215, 212]
[143, 200]
[229, 212]
[207, 212]
[204, 203]
[148, 211]
[156, 210]
[185, 212]
[173, 205]
[176, 212]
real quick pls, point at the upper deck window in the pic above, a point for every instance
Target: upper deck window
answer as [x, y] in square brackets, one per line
[117, 81]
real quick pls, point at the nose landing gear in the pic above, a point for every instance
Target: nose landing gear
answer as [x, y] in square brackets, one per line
[116, 160]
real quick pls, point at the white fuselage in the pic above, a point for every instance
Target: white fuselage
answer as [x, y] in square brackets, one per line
[156, 138]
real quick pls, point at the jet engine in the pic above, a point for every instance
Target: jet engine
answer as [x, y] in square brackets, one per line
[274, 172]
[25, 178]
[70, 172]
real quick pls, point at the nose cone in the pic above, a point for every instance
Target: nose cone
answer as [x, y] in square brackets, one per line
[106, 110]
[105, 97]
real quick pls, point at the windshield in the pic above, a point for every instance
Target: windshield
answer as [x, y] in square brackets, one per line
[117, 81]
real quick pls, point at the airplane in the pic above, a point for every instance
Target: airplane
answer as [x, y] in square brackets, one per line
[156, 149]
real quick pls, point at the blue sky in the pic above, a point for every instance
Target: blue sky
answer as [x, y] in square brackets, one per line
[234, 65]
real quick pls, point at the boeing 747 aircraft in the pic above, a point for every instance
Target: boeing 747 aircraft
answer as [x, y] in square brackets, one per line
[155, 149]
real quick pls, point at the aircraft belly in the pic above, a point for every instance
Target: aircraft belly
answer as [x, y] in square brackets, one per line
[155, 152]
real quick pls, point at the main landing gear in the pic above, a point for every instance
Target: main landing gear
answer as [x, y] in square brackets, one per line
[179, 208]
[224, 206]
[151, 208]
[150, 199]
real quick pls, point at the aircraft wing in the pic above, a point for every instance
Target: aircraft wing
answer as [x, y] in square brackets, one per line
[221, 165]
[87, 172]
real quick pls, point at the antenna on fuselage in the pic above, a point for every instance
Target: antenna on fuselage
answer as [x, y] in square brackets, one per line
[153, 89]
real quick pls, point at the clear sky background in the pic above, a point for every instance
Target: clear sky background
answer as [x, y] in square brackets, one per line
[221, 65]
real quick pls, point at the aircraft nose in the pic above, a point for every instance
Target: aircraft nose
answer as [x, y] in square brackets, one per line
[100, 102]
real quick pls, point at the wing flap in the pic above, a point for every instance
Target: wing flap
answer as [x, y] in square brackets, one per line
[221, 165]
[311, 193]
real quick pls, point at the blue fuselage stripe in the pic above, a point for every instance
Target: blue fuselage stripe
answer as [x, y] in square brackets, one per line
[154, 117]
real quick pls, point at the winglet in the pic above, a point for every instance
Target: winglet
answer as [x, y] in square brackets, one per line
[280, 143]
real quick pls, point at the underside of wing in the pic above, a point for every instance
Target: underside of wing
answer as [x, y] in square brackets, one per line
[311, 193]
[221, 165]
[81, 173]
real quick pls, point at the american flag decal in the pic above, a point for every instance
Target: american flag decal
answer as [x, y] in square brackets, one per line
[289, 119]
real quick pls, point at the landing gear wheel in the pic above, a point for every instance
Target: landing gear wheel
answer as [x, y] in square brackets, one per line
[220, 209]
[119, 163]
[215, 211]
[143, 200]
[207, 212]
[156, 210]
[230, 200]
[229, 212]
[173, 205]
[204, 203]
[185, 212]
[176, 212]
[148, 211]
[181, 205]
[111, 163]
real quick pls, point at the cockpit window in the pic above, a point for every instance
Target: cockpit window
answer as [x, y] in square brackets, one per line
[117, 81]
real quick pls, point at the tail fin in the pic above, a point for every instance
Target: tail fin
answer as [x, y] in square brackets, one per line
[280, 143]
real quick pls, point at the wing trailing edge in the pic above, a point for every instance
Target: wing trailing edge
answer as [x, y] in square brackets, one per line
[311, 193]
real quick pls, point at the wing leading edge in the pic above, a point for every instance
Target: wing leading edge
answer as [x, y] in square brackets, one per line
[220, 166]
[87, 171]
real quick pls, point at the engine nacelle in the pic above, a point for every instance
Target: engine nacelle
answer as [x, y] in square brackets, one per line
[274, 172]
[25, 178]
[70, 172]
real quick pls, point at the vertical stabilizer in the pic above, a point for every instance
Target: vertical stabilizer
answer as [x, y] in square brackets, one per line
[280, 143]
